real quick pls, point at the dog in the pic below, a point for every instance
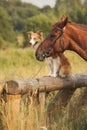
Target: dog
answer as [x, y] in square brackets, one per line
[58, 65]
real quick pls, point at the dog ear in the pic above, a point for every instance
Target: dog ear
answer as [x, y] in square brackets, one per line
[29, 33]
[40, 33]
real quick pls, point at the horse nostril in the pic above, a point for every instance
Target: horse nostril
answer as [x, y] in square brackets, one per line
[43, 55]
[46, 53]
[40, 57]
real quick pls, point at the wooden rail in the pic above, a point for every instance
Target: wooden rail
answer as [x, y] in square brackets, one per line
[48, 84]
[43, 85]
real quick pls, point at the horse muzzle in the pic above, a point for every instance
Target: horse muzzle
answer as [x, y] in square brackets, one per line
[40, 57]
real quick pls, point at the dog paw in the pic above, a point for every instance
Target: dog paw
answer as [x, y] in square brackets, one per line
[53, 75]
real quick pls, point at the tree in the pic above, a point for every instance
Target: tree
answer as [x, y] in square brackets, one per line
[6, 30]
[76, 10]
[39, 22]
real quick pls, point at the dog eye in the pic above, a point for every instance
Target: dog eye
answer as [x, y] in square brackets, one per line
[35, 39]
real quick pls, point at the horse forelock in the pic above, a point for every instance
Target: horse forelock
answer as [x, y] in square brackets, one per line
[58, 24]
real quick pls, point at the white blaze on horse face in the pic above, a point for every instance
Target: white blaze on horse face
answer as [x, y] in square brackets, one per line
[32, 41]
[64, 28]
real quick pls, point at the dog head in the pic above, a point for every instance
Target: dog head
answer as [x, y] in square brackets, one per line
[35, 38]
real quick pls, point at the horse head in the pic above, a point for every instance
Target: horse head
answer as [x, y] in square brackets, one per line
[48, 47]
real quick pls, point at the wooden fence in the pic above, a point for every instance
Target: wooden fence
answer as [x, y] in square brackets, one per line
[39, 89]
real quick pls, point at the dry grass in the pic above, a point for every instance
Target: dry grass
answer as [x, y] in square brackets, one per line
[20, 114]
[17, 113]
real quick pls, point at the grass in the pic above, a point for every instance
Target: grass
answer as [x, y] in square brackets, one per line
[21, 63]
[18, 114]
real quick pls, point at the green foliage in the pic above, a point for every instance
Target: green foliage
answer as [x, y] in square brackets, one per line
[6, 31]
[17, 17]
[40, 22]
[76, 10]
[79, 12]
[20, 13]
[13, 18]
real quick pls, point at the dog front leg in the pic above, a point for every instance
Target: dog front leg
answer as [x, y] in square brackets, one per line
[56, 66]
[50, 65]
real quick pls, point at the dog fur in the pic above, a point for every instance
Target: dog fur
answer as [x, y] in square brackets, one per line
[58, 65]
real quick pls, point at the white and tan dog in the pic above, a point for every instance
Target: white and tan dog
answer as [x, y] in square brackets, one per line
[58, 65]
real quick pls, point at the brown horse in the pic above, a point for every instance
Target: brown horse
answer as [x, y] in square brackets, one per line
[65, 35]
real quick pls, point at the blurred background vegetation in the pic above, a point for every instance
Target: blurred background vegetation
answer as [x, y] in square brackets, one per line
[16, 18]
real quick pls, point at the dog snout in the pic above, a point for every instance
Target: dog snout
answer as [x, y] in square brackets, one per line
[30, 43]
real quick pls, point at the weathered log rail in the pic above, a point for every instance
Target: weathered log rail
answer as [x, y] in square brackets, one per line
[61, 101]
[47, 84]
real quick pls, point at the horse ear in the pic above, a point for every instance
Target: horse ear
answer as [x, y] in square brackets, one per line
[40, 33]
[64, 20]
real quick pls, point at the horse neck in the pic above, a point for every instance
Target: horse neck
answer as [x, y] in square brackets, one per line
[70, 30]
[77, 34]
[76, 40]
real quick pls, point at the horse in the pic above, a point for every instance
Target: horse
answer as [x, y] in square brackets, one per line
[64, 35]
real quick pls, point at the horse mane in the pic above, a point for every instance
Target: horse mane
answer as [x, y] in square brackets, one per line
[78, 26]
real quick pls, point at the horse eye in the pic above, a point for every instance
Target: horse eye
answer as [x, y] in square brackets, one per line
[47, 53]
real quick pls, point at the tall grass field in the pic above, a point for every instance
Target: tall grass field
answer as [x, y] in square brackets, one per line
[18, 113]
[21, 63]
